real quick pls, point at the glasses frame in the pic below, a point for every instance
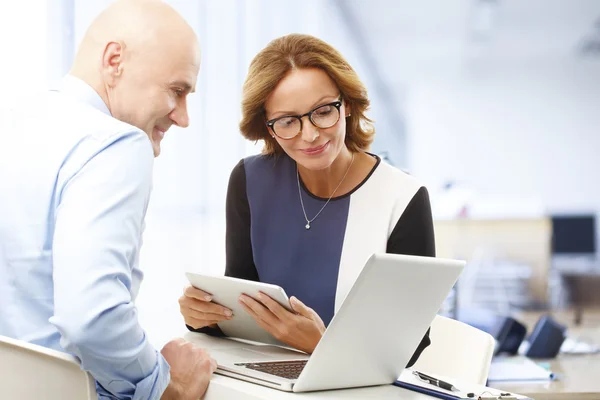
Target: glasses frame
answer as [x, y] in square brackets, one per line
[337, 104]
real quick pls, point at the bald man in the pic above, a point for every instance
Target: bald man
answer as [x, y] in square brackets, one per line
[75, 181]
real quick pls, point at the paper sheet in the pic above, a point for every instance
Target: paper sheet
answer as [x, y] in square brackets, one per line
[517, 368]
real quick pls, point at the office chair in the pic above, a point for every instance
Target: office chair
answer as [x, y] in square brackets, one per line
[29, 371]
[457, 351]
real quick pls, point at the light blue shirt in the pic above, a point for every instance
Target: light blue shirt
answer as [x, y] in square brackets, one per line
[74, 187]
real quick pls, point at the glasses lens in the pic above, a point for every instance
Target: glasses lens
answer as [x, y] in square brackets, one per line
[287, 127]
[325, 116]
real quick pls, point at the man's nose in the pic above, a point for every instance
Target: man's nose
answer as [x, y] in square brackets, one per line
[180, 116]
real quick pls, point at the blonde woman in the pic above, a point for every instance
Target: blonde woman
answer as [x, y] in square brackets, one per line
[308, 212]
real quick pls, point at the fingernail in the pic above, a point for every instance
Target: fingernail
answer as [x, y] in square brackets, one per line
[241, 299]
[260, 296]
[207, 298]
[228, 313]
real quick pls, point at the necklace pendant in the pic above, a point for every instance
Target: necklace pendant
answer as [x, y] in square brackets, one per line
[307, 226]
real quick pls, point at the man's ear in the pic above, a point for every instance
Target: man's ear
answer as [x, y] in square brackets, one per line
[112, 62]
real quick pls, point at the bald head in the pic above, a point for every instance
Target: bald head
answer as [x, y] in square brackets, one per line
[143, 59]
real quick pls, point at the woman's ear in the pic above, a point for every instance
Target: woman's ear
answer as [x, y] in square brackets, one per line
[267, 127]
[347, 108]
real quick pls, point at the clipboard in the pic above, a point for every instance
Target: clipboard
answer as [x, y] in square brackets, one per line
[427, 391]
[408, 381]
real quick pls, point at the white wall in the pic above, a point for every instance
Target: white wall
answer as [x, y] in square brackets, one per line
[23, 48]
[511, 131]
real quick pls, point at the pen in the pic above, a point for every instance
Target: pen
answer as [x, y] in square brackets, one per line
[436, 382]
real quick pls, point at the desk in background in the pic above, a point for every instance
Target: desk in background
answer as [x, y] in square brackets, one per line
[523, 240]
[582, 288]
[579, 375]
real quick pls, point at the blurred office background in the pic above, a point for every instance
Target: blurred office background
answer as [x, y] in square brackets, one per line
[493, 104]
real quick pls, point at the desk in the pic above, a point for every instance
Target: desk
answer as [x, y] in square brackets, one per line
[579, 374]
[224, 387]
[582, 287]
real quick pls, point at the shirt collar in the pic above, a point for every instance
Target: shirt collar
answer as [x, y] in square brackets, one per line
[83, 92]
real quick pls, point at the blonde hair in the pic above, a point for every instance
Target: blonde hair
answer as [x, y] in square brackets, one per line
[298, 51]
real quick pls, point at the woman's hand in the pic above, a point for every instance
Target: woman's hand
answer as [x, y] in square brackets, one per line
[301, 330]
[198, 311]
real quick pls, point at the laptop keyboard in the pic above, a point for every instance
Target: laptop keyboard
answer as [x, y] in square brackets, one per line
[283, 369]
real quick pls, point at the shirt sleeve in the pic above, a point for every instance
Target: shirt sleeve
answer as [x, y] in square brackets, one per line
[97, 236]
[238, 247]
[239, 260]
[414, 235]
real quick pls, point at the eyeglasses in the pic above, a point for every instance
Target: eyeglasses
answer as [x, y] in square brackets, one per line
[322, 117]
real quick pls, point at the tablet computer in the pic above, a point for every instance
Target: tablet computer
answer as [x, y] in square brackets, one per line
[226, 290]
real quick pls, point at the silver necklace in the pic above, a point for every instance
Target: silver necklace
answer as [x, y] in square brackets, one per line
[308, 222]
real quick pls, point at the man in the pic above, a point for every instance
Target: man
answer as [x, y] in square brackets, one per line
[75, 181]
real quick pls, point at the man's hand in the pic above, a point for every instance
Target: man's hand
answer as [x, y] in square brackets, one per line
[301, 330]
[191, 370]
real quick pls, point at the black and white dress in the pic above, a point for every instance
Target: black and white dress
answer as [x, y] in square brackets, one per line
[267, 239]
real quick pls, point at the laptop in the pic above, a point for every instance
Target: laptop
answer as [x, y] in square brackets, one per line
[368, 342]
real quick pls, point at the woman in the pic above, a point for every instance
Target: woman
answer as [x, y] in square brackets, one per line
[308, 212]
